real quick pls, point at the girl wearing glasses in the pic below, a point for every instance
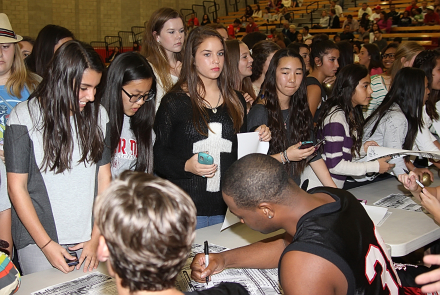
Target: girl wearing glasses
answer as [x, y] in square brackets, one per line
[201, 114]
[55, 153]
[129, 100]
[163, 42]
[382, 83]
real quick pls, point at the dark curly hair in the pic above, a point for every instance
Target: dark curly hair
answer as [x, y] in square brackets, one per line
[427, 60]
[341, 100]
[260, 53]
[300, 117]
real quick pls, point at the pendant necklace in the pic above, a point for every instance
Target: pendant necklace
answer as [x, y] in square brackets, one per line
[285, 120]
[214, 110]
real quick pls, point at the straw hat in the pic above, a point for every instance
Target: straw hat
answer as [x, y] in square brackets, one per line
[7, 35]
[430, 7]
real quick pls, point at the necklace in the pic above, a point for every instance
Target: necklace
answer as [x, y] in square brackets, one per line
[214, 110]
[285, 120]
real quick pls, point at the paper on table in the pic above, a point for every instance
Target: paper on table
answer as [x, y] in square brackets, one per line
[256, 281]
[376, 152]
[377, 214]
[249, 143]
[230, 220]
[95, 283]
[399, 201]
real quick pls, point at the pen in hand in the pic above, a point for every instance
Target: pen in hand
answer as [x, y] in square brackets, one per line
[417, 181]
[206, 259]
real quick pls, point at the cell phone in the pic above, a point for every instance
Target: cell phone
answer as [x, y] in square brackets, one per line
[205, 159]
[72, 262]
[319, 143]
[306, 145]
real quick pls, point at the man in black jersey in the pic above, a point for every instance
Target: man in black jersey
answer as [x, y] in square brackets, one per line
[330, 246]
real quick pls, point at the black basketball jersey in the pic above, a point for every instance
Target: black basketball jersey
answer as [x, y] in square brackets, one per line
[342, 233]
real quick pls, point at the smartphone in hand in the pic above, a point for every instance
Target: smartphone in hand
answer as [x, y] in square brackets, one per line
[74, 261]
[205, 159]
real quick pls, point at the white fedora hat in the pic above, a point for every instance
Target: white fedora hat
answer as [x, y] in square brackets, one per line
[7, 35]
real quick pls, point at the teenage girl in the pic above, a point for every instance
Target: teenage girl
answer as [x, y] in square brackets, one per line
[55, 153]
[163, 41]
[324, 64]
[396, 122]
[129, 100]
[369, 56]
[403, 57]
[284, 109]
[341, 125]
[262, 53]
[201, 113]
[240, 67]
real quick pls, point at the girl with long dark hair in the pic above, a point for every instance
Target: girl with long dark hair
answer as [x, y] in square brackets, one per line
[284, 109]
[341, 125]
[396, 122]
[240, 67]
[55, 153]
[49, 39]
[324, 64]
[201, 114]
[370, 57]
[129, 100]
[262, 53]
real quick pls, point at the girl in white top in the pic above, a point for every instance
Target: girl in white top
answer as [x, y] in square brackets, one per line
[396, 122]
[163, 41]
[258, 12]
[129, 100]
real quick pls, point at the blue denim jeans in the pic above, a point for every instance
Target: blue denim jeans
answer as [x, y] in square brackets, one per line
[204, 221]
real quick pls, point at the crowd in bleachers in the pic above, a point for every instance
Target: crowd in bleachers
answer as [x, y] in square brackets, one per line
[70, 125]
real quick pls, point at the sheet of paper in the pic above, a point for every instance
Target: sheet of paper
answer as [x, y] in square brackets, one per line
[91, 284]
[256, 281]
[230, 220]
[377, 214]
[249, 143]
[376, 152]
[399, 201]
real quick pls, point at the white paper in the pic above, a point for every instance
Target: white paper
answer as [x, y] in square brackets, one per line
[376, 152]
[92, 284]
[230, 220]
[256, 281]
[249, 143]
[399, 201]
[377, 214]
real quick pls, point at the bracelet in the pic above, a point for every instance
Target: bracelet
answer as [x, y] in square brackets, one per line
[282, 160]
[46, 244]
[285, 156]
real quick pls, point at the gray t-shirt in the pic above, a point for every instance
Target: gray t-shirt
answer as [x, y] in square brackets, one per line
[4, 198]
[126, 153]
[63, 201]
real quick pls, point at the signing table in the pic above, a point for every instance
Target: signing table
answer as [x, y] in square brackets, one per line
[404, 231]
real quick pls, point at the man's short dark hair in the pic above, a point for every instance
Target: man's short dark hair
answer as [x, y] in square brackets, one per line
[254, 179]
[237, 21]
[350, 16]
[333, 11]
[306, 28]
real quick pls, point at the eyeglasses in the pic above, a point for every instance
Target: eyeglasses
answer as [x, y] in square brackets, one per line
[135, 98]
[388, 55]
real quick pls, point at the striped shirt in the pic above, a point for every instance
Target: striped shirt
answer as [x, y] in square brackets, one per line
[379, 92]
[337, 150]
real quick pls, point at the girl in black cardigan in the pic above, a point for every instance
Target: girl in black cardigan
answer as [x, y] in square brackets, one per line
[201, 113]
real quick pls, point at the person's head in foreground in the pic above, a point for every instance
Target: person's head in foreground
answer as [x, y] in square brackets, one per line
[147, 226]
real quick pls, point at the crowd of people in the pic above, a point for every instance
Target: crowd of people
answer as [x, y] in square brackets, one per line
[174, 110]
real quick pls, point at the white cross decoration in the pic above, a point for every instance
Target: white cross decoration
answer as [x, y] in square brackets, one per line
[214, 145]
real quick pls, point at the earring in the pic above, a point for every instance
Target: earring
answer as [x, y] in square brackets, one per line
[270, 216]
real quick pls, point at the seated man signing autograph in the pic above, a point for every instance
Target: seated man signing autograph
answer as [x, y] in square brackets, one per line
[148, 226]
[335, 248]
